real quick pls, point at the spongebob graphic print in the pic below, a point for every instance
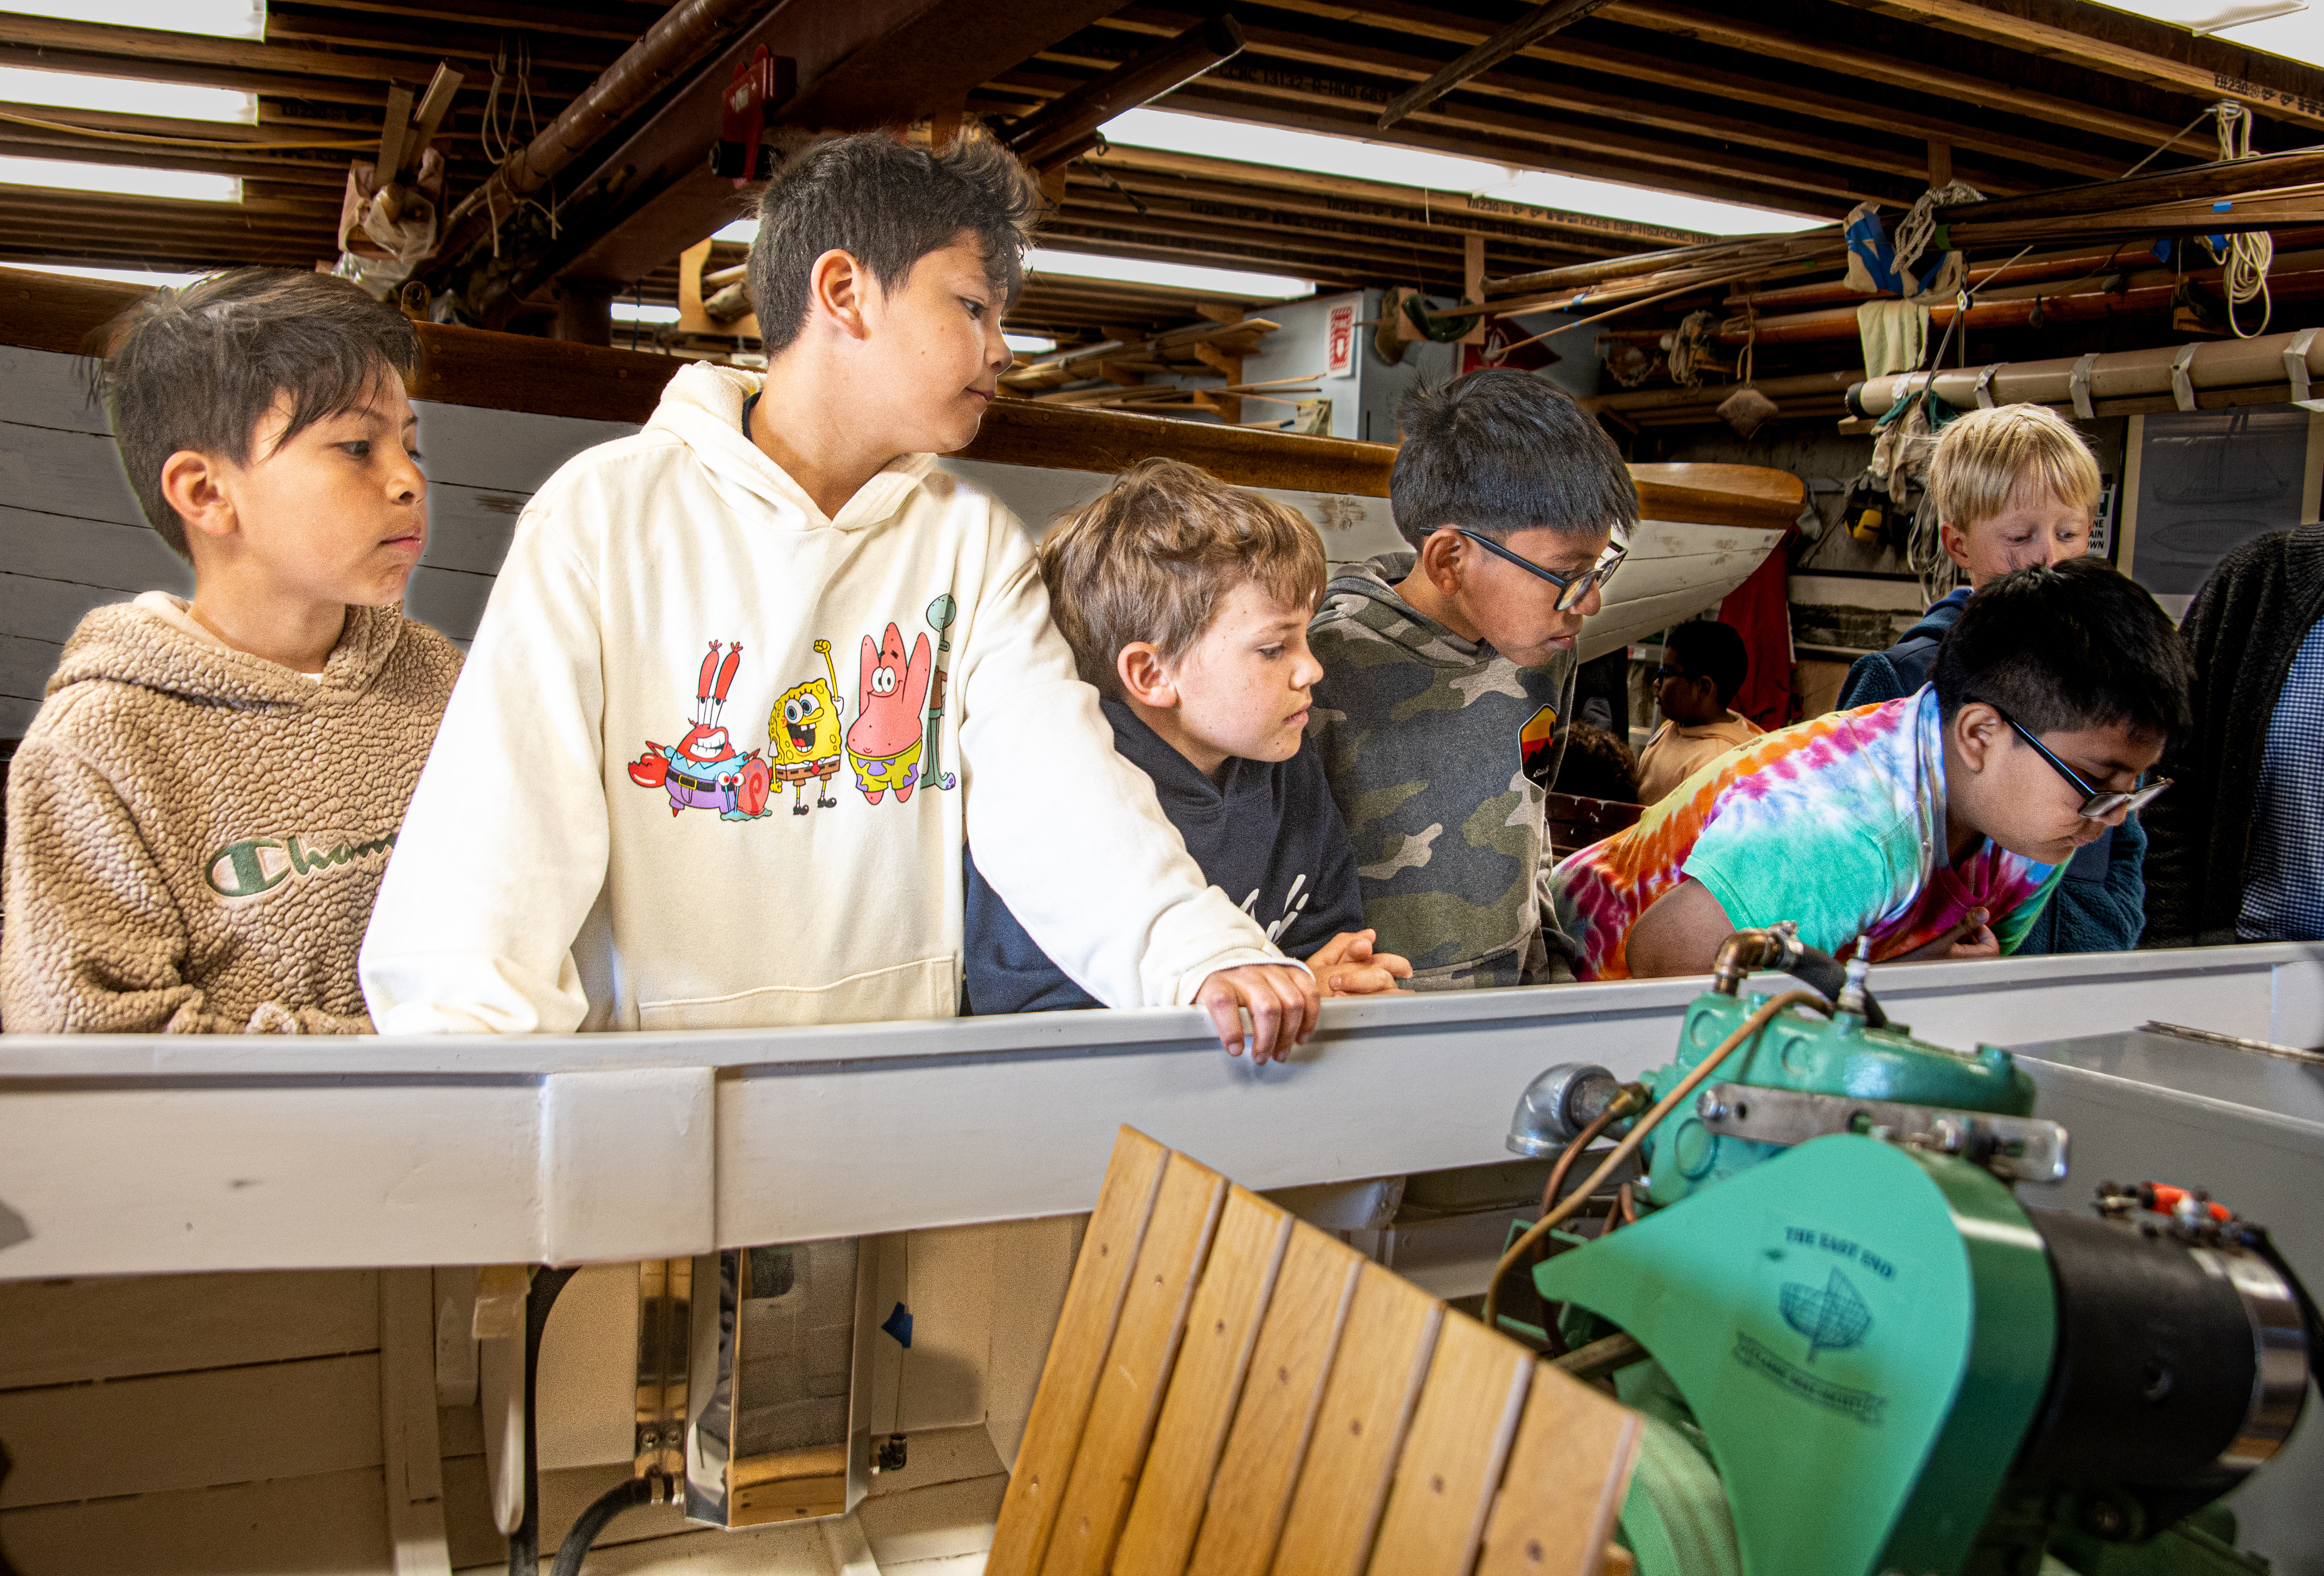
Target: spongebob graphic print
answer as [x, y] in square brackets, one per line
[809, 740]
[804, 733]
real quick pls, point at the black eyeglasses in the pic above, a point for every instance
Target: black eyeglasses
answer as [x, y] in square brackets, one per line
[2097, 802]
[1571, 588]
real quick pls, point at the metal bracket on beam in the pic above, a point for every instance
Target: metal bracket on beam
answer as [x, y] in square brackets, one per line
[2183, 387]
[2296, 365]
[2080, 386]
[1985, 385]
[2021, 1148]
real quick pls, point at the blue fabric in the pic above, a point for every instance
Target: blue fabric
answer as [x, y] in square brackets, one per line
[2283, 888]
[2100, 906]
[1904, 667]
[1271, 839]
[1867, 238]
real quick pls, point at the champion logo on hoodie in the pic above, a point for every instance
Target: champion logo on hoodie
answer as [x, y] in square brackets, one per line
[256, 866]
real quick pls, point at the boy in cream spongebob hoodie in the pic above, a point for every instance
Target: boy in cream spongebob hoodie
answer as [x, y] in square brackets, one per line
[599, 839]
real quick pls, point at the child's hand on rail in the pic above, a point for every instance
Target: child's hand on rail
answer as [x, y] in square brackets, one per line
[1346, 965]
[1973, 938]
[1282, 1001]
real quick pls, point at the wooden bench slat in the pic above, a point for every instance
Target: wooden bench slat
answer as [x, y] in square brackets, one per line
[1053, 1433]
[1276, 1415]
[1454, 1453]
[1222, 1331]
[1376, 1375]
[1137, 1370]
[1568, 1471]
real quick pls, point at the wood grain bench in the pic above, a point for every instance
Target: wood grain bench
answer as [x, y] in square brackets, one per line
[1231, 1392]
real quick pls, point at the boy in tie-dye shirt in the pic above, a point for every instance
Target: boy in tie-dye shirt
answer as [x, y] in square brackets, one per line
[1934, 826]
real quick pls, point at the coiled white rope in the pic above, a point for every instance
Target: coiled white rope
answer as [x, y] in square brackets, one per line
[2243, 265]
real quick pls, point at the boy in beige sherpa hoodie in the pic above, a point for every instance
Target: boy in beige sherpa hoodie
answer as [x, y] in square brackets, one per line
[200, 815]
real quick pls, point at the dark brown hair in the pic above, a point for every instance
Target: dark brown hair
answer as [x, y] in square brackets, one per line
[886, 206]
[1153, 558]
[199, 368]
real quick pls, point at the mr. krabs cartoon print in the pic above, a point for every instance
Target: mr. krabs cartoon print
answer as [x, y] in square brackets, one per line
[704, 770]
[885, 742]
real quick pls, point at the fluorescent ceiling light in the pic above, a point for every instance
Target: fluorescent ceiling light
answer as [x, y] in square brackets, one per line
[631, 312]
[1030, 344]
[1397, 165]
[2205, 17]
[127, 95]
[219, 18]
[743, 230]
[1223, 282]
[120, 179]
[119, 275]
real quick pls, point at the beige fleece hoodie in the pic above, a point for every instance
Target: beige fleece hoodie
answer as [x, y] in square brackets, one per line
[195, 834]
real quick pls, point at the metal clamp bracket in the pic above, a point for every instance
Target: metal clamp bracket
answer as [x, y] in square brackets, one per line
[2183, 387]
[2295, 363]
[2080, 386]
[1985, 385]
[2018, 1149]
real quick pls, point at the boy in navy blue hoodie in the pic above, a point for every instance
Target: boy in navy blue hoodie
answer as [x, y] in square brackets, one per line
[1187, 602]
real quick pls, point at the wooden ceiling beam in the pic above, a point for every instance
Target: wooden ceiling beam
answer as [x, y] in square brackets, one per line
[320, 90]
[1112, 241]
[1720, 180]
[1383, 256]
[1619, 234]
[625, 24]
[144, 43]
[1569, 52]
[1447, 229]
[1888, 70]
[1680, 116]
[1351, 100]
[440, 41]
[35, 144]
[2150, 53]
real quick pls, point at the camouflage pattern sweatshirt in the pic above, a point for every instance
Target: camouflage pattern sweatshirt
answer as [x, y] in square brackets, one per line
[1440, 753]
[195, 834]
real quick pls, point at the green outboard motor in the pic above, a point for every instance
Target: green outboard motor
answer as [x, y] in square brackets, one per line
[1866, 1356]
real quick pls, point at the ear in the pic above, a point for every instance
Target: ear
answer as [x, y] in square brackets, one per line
[838, 291]
[195, 486]
[1442, 560]
[1979, 734]
[1955, 541]
[1144, 678]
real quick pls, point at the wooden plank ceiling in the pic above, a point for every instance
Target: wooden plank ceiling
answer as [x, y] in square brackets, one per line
[1808, 107]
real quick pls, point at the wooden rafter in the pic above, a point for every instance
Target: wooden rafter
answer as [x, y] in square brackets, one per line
[1915, 76]
[2161, 57]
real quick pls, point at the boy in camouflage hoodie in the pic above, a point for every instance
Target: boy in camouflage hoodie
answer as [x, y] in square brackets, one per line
[1448, 673]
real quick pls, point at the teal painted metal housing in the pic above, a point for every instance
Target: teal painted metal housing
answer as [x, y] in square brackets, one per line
[1861, 1332]
[1812, 1055]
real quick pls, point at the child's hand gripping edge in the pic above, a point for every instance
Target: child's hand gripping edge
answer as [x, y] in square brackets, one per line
[1346, 965]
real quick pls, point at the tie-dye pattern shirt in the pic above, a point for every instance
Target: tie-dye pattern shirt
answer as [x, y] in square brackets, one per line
[1837, 823]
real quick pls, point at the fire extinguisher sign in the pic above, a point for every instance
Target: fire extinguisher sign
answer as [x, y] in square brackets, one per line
[1341, 337]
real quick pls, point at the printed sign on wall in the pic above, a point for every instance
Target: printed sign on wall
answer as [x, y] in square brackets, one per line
[1339, 337]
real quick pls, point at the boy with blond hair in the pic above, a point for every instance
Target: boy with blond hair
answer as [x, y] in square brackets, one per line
[597, 840]
[200, 815]
[1185, 602]
[2015, 486]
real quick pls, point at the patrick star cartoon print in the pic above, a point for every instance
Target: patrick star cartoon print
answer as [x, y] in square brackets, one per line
[885, 742]
[704, 770]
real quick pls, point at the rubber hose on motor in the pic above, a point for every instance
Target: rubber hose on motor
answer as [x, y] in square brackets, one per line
[596, 1519]
[524, 1543]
